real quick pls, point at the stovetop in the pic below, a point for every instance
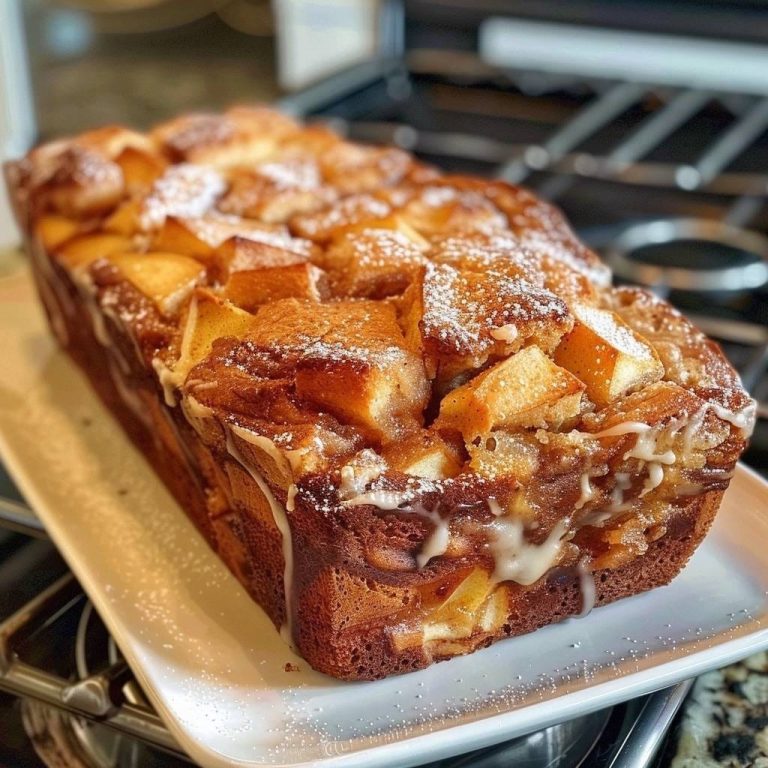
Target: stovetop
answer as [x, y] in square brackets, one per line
[668, 184]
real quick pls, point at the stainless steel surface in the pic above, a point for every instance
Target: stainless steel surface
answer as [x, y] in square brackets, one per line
[19, 517]
[566, 744]
[662, 231]
[592, 117]
[728, 146]
[94, 697]
[649, 728]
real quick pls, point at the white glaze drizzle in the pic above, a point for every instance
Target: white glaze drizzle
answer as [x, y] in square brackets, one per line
[387, 500]
[280, 517]
[506, 332]
[743, 420]
[436, 544]
[168, 381]
[265, 444]
[586, 587]
[519, 560]
[195, 412]
[365, 468]
[587, 492]
[495, 507]
[290, 502]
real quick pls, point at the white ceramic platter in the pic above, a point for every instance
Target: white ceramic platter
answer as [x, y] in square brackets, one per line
[214, 666]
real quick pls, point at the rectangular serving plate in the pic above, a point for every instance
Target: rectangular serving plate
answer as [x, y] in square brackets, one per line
[214, 666]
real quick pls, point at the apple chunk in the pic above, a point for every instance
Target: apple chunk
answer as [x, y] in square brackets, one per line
[607, 355]
[351, 361]
[53, 230]
[424, 453]
[206, 318]
[252, 287]
[141, 168]
[525, 390]
[166, 278]
[81, 251]
[209, 318]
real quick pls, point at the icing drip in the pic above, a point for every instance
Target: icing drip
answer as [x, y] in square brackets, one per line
[87, 291]
[743, 420]
[507, 332]
[436, 543]
[290, 502]
[617, 504]
[587, 492]
[196, 413]
[586, 587]
[53, 294]
[517, 559]
[365, 468]
[691, 428]
[625, 428]
[266, 445]
[644, 450]
[281, 521]
[167, 380]
[495, 507]
[382, 499]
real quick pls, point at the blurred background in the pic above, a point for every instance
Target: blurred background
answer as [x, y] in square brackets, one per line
[645, 120]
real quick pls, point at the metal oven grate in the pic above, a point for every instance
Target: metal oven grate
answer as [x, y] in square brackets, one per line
[691, 166]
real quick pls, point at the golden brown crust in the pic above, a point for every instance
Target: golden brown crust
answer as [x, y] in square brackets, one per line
[406, 409]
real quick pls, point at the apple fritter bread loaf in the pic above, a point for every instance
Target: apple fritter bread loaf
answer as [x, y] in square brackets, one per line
[407, 409]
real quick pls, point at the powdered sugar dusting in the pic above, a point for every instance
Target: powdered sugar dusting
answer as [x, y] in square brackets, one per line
[461, 311]
[184, 190]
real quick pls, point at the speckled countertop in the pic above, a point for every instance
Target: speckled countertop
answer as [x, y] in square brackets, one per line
[725, 719]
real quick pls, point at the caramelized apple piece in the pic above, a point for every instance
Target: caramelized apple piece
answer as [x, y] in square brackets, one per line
[526, 390]
[125, 219]
[459, 319]
[166, 278]
[351, 360]
[498, 252]
[81, 251]
[188, 236]
[354, 168]
[76, 180]
[186, 191]
[652, 405]
[275, 191]
[504, 454]
[140, 167]
[240, 136]
[53, 230]
[326, 224]
[447, 207]
[208, 318]
[458, 615]
[607, 355]
[252, 287]
[424, 454]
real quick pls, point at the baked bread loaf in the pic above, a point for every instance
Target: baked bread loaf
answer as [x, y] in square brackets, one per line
[407, 409]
